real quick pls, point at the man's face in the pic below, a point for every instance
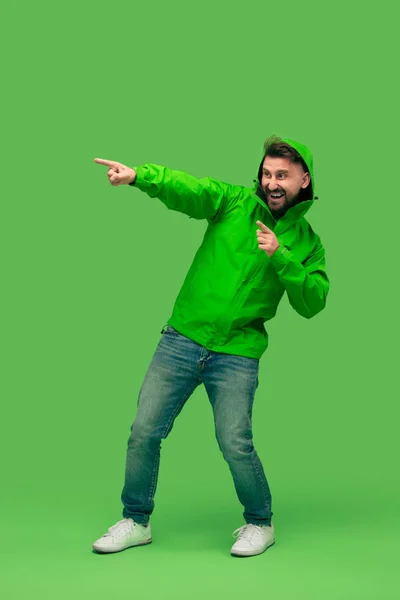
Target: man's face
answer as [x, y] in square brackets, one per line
[280, 176]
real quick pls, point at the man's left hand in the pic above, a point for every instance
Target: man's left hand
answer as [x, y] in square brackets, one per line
[267, 240]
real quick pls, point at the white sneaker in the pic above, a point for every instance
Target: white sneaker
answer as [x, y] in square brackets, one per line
[252, 539]
[123, 534]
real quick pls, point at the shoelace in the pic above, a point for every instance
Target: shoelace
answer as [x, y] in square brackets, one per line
[247, 532]
[120, 528]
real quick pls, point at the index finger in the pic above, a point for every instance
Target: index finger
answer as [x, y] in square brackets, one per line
[263, 227]
[107, 163]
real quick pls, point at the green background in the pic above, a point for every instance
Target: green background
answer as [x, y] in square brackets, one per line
[90, 273]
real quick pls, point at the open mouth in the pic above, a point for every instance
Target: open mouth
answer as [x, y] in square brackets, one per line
[275, 195]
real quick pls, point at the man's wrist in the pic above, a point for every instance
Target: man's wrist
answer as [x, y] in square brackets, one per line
[134, 177]
[281, 255]
[278, 246]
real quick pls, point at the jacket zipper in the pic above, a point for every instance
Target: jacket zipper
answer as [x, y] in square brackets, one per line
[248, 279]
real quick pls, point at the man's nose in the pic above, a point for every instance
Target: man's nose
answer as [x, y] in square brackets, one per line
[272, 186]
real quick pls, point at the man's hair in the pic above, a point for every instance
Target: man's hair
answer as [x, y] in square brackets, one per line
[275, 147]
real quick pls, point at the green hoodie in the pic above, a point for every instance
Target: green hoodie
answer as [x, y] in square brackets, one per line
[233, 287]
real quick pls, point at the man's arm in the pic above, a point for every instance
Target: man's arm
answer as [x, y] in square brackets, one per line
[203, 198]
[306, 283]
[199, 198]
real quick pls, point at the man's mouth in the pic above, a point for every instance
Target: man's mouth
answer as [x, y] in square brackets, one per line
[275, 195]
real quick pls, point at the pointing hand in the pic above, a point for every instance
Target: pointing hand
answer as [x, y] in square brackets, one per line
[267, 240]
[118, 174]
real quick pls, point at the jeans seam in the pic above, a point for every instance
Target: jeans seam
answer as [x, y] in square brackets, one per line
[259, 475]
[253, 458]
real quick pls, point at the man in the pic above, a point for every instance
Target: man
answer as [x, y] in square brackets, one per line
[216, 333]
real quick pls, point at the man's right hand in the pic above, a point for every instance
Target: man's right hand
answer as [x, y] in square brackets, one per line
[118, 174]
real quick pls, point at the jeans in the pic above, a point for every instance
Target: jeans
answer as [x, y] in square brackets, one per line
[178, 366]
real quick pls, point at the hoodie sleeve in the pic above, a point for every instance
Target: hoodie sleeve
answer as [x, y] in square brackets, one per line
[199, 198]
[306, 283]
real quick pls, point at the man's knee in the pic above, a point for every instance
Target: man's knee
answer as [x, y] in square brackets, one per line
[143, 434]
[234, 446]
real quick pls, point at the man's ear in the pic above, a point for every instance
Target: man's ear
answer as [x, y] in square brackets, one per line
[306, 180]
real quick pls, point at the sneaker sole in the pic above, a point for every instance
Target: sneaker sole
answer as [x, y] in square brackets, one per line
[249, 553]
[111, 550]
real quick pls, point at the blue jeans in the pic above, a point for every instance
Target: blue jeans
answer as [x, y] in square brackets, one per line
[178, 366]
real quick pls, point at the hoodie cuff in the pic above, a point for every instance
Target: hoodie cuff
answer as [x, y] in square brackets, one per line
[138, 175]
[281, 256]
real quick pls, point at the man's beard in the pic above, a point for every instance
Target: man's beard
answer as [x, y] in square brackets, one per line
[277, 214]
[280, 212]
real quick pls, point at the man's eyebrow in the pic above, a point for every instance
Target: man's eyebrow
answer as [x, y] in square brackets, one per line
[279, 170]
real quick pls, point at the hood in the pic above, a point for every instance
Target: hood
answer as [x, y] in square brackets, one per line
[306, 155]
